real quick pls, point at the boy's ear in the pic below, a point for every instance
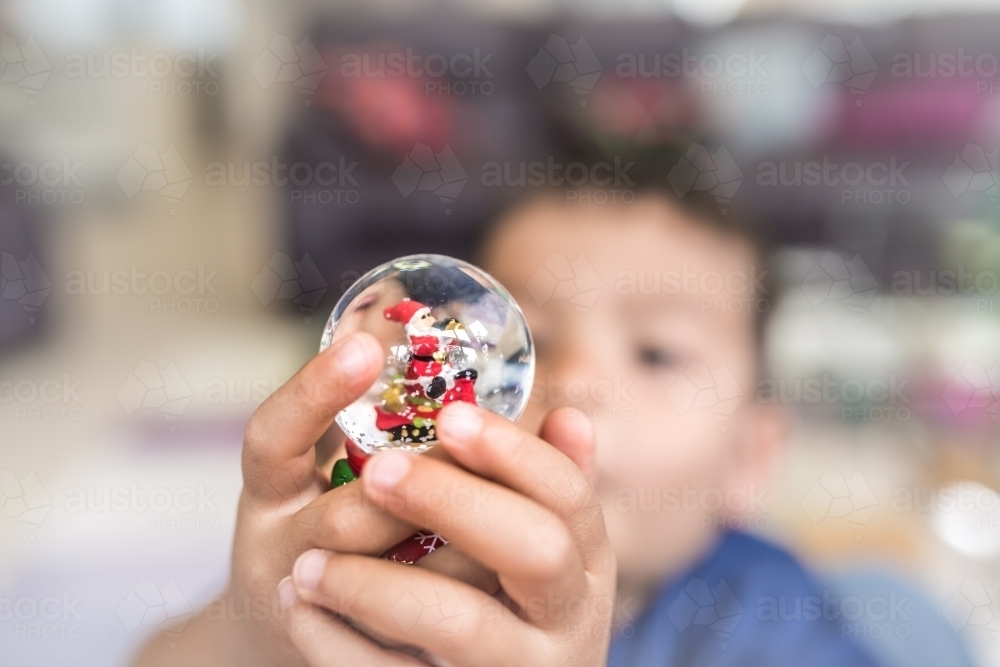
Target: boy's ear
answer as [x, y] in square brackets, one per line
[759, 447]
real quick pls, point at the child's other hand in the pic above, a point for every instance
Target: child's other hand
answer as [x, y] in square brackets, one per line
[286, 507]
[522, 506]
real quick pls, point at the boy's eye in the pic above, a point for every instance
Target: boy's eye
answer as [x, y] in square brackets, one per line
[656, 357]
[366, 303]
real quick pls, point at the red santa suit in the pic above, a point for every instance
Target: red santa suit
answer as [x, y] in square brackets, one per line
[424, 370]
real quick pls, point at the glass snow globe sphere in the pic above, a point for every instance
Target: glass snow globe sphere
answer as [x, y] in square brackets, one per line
[450, 332]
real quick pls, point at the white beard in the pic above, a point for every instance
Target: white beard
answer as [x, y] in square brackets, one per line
[416, 330]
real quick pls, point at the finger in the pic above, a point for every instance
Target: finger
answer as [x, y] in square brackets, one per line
[278, 454]
[326, 641]
[409, 605]
[570, 431]
[501, 528]
[451, 562]
[498, 450]
[345, 520]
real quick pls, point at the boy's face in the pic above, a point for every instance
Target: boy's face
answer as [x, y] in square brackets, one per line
[664, 362]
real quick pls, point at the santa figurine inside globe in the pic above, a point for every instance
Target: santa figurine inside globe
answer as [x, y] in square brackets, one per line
[411, 403]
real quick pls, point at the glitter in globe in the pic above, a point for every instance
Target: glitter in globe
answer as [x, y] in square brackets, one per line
[450, 332]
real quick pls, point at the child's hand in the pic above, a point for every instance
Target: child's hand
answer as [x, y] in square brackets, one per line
[286, 508]
[523, 508]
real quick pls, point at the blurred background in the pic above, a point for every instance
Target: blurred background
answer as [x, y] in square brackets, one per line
[187, 186]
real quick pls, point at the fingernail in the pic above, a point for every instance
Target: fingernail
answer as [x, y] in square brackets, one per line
[387, 470]
[460, 422]
[353, 357]
[309, 569]
[286, 592]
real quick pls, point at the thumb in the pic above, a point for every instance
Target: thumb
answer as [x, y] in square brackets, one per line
[570, 431]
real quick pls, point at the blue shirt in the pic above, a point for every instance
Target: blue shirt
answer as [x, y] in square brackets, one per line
[747, 603]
